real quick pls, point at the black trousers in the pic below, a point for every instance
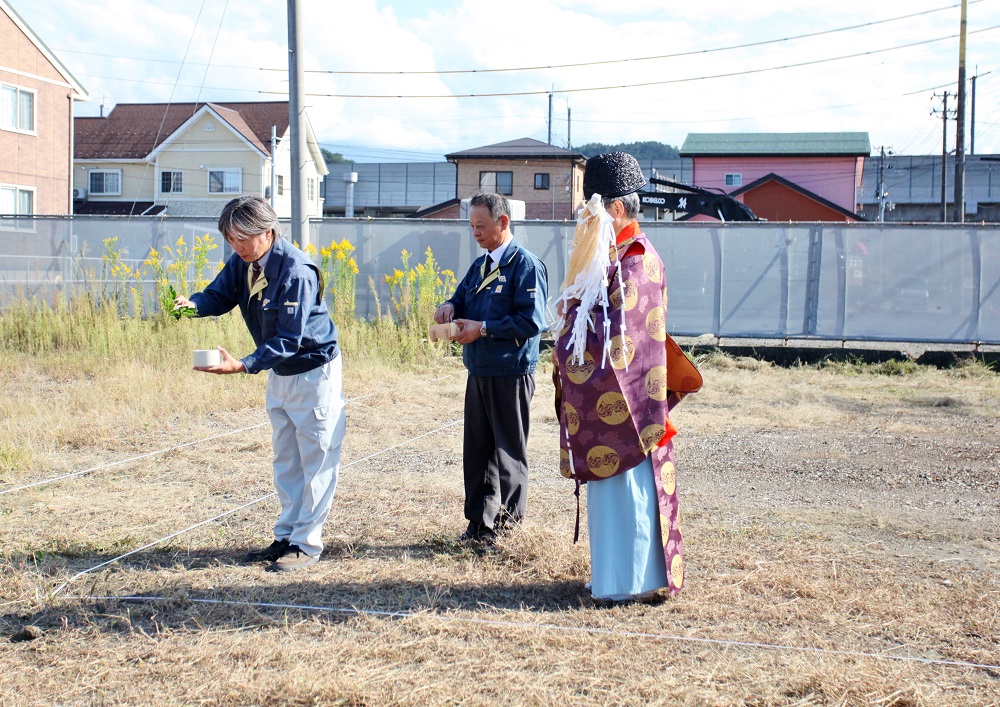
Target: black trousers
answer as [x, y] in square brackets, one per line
[495, 450]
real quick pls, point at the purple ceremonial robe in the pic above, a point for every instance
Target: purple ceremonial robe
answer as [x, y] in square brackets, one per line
[613, 416]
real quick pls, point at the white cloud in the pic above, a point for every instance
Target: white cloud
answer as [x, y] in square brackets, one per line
[864, 93]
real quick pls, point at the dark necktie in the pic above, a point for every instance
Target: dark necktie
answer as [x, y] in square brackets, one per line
[256, 274]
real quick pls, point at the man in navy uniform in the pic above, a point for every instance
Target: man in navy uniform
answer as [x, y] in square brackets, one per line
[500, 309]
[280, 294]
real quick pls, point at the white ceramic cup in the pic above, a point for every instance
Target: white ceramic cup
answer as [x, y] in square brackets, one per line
[204, 358]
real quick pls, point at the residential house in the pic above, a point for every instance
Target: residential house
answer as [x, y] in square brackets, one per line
[189, 159]
[548, 179]
[37, 94]
[783, 176]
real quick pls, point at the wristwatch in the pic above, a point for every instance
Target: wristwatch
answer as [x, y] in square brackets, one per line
[482, 330]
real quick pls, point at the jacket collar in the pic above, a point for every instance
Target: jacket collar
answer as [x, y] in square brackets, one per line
[508, 254]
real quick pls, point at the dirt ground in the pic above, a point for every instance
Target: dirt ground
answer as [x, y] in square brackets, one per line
[842, 528]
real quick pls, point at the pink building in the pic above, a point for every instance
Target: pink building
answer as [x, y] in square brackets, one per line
[783, 176]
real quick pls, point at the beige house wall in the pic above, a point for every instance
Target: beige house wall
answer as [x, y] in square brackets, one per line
[136, 181]
[41, 160]
[560, 201]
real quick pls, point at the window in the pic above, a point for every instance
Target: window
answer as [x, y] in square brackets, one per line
[499, 182]
[16, 201]
[171, 182]
[541, 180]
[17, 109]
[225, 181]
[734, 180]
[281, 184]
[310, 189]
[106, 182]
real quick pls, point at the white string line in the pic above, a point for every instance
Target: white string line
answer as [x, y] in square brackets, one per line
[239, 508]
[102, 467]
[129, 460]
[553, 627]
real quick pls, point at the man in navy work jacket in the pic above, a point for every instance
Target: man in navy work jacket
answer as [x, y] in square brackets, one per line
[280, 294]
[500, 309]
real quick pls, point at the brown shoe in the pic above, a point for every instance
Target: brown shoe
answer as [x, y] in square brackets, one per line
[294, 559]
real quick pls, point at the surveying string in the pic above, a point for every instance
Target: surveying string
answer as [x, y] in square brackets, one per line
[555, 627]
[239, 508]
[91, 470]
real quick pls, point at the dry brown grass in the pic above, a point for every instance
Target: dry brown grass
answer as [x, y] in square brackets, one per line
[842, 510]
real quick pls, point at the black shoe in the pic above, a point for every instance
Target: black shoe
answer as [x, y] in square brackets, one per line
[271, 553]
[484, 536]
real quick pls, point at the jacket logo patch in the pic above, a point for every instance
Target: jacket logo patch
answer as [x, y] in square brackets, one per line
[502, 278]
[498, 289]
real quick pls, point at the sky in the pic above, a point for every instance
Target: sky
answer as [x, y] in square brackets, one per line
[726, 66]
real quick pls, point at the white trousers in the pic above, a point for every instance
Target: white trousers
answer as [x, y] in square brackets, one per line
[307, 429]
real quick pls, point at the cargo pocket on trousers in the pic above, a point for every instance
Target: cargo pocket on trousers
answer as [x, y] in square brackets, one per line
[321, 429]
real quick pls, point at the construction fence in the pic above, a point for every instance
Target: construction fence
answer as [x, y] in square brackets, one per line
[861, 281]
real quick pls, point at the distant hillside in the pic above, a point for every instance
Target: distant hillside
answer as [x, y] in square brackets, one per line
[642, 151]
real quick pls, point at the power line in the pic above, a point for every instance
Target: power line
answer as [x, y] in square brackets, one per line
[695, 52]
[635, 59]
[640, 85]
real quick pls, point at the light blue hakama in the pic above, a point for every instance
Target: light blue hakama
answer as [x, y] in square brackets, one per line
[626, 549]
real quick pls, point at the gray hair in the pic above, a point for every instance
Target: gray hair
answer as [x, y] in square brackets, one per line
[248, 215]
[629, 201]
[496, 203]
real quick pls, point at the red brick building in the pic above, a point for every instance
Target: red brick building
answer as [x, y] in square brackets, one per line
[37, 94]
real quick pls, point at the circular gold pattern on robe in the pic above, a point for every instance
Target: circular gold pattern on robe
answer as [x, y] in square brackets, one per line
[602, 461]
[572, 417]
[656, 383]
[652, 267]
[621, 355]
[651, 435]
[612, 408]
[656, 324]
[677, 571]
[564, 468]
[580, 373]
[631, 296]
[669, 478]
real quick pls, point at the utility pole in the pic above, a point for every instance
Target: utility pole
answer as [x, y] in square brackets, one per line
[972, 118]
[274, 146]
[960, 119]
[569, 128]
[882, 191]
[297, 124]
[550, 118]
[944, 156]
